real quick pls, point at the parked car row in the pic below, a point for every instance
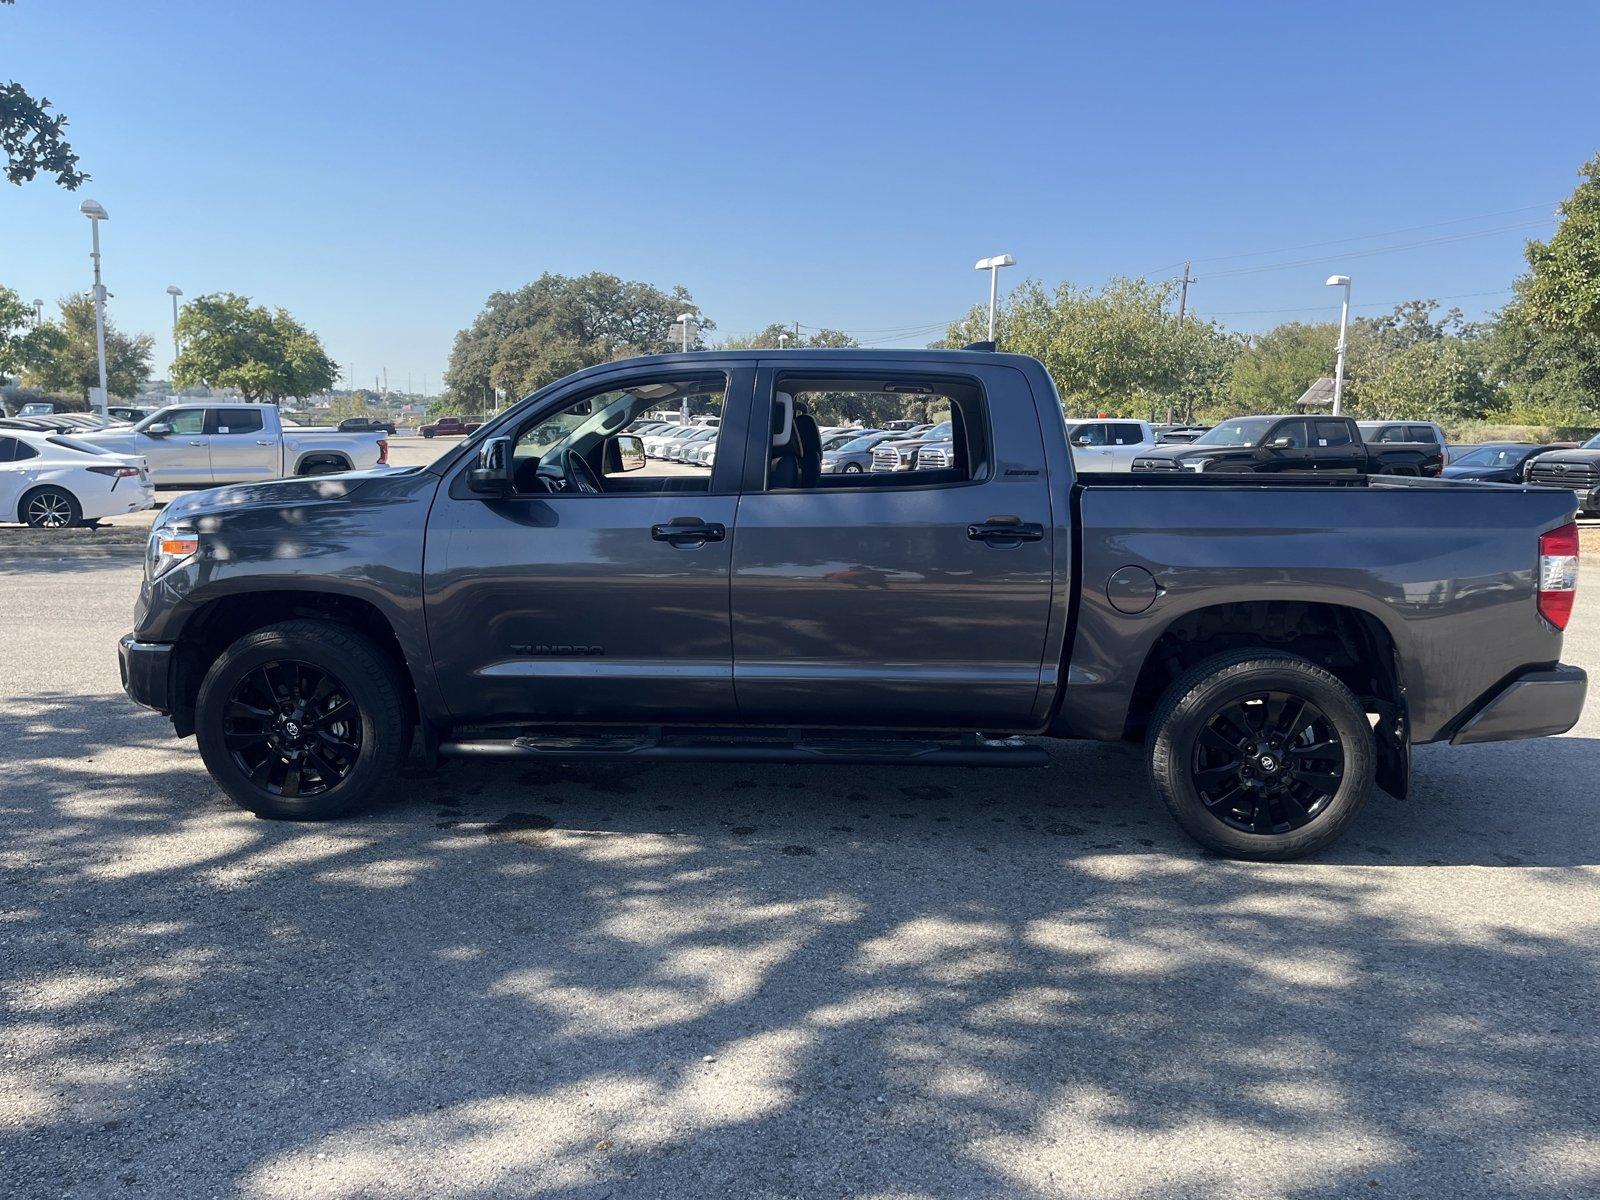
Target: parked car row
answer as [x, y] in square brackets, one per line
[51, 480]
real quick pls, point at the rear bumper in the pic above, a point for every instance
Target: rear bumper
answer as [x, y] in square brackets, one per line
[146, 673]
[1538, 704]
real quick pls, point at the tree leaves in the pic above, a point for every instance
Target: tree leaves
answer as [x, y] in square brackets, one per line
[265, 353]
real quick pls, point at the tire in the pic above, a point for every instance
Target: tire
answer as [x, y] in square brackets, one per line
[852, 469]
[49, 507]
[280, 654]
[427, 433]
[1301, 795]
[322, 466]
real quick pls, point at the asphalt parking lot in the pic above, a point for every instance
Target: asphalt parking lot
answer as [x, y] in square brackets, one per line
[692, 981]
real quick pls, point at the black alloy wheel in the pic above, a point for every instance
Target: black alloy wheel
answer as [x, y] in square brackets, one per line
[1267, 763]
[292, 728]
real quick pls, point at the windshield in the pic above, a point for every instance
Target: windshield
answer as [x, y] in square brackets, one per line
[1593, 443]
[1245, 432]
[863, 443]
[1489, 456]
[74, 444]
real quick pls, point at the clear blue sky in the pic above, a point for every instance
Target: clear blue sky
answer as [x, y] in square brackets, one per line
[378, 169]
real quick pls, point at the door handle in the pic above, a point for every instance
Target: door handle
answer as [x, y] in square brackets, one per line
[261, 443]
[1005, 531]
[197, 443]
[683, 531]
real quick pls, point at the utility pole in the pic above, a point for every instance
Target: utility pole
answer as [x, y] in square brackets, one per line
[1183, 306]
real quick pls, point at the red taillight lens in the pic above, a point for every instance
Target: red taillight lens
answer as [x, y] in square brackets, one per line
[383, 452]
[1558, 574]
[117, 472]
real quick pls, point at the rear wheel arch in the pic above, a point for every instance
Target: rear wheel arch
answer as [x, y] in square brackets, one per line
[322, 463]
[1351, 643]
[74, 507]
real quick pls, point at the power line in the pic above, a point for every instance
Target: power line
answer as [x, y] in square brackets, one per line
[1256, 312]
[1349, 254]
[1359, 237]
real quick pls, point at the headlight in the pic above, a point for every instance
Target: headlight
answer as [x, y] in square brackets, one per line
[167, 548]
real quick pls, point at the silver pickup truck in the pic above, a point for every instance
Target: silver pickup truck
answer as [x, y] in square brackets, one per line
[234, 442]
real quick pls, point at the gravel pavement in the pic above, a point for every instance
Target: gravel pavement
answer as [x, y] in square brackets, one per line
[709, 981]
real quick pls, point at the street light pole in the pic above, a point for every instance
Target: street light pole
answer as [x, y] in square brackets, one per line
[174, 291]
[683, 404]
[1344, 329]
[38, 313]
[993, 265]
[96, 214]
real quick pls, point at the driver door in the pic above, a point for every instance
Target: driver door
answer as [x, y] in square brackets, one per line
[560, 606]
[181, 456]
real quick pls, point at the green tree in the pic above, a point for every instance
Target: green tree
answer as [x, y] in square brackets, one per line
[61, 355]
[525, 339]
[16, 320]
[33, 139]
[1411, 364]
[1117, 349]
[1561, 291]
[265, 353]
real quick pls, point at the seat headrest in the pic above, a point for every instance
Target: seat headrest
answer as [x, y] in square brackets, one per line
[782, 419]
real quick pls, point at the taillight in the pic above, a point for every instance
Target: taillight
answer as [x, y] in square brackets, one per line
[117, 472]
[383, 452]
[1558, 574]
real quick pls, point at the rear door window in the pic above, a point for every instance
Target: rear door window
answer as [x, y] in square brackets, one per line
[1422, 433]
[1333, 433]
[235, 420]
[1126, 434]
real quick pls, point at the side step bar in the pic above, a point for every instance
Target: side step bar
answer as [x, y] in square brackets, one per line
[972, 750]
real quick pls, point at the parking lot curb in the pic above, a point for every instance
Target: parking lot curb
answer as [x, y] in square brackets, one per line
[99, 550]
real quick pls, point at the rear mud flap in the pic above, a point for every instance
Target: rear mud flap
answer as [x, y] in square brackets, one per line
[1393, 742]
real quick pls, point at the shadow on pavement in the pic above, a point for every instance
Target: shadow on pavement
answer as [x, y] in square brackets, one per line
[703, 980]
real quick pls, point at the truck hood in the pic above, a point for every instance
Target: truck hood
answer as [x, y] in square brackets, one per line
[275, 493]
[1579, 457]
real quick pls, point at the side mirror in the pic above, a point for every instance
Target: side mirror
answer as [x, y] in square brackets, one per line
[630, 451]
[493, 474]
[159, 429]
[1282, 443]
[1082, 440]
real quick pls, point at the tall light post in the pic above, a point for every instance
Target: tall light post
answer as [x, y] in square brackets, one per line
[684, 319]
[93, 210]
[38, 313]
[993, 265]
[175, 291]
[1344, 328]
[783, 341]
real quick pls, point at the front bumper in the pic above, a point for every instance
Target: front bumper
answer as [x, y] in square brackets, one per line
[146, 673]
[1538, 704]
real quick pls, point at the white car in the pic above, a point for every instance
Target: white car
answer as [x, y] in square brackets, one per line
[1108, 443]
[52, 481]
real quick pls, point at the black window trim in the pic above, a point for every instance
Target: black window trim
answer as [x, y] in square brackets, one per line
[766, 384]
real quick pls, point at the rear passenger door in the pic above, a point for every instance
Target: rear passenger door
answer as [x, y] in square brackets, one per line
[241, 448]
[912, 599]
[1336, 450]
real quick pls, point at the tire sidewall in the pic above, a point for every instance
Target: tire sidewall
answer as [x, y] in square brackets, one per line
[1172, 748]
[378, 749]
[74, 509]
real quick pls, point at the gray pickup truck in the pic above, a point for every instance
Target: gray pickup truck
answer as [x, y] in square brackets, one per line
[1278, 643]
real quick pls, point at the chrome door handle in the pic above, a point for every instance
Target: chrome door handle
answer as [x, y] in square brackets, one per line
[259, 443]
[197, 443]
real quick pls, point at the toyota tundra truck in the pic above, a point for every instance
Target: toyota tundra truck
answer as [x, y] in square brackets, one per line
[1277, 643]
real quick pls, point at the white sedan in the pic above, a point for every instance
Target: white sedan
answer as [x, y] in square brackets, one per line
[52, 481]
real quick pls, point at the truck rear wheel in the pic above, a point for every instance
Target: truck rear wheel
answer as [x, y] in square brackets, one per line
[301, 721]
[1260, 755]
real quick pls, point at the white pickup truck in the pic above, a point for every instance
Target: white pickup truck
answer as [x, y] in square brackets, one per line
[234, 442]
[1108, 443]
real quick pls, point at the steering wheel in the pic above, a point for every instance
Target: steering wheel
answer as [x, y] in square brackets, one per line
[580, 476]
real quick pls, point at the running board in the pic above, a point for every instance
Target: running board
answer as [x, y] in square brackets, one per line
[972, 750]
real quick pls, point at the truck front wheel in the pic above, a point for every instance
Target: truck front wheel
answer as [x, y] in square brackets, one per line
[1260, 755]
[302, 721]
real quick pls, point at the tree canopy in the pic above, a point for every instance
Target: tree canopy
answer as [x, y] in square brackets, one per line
[34, 140]
[266, 354]
[61, 356]
[558, 324]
